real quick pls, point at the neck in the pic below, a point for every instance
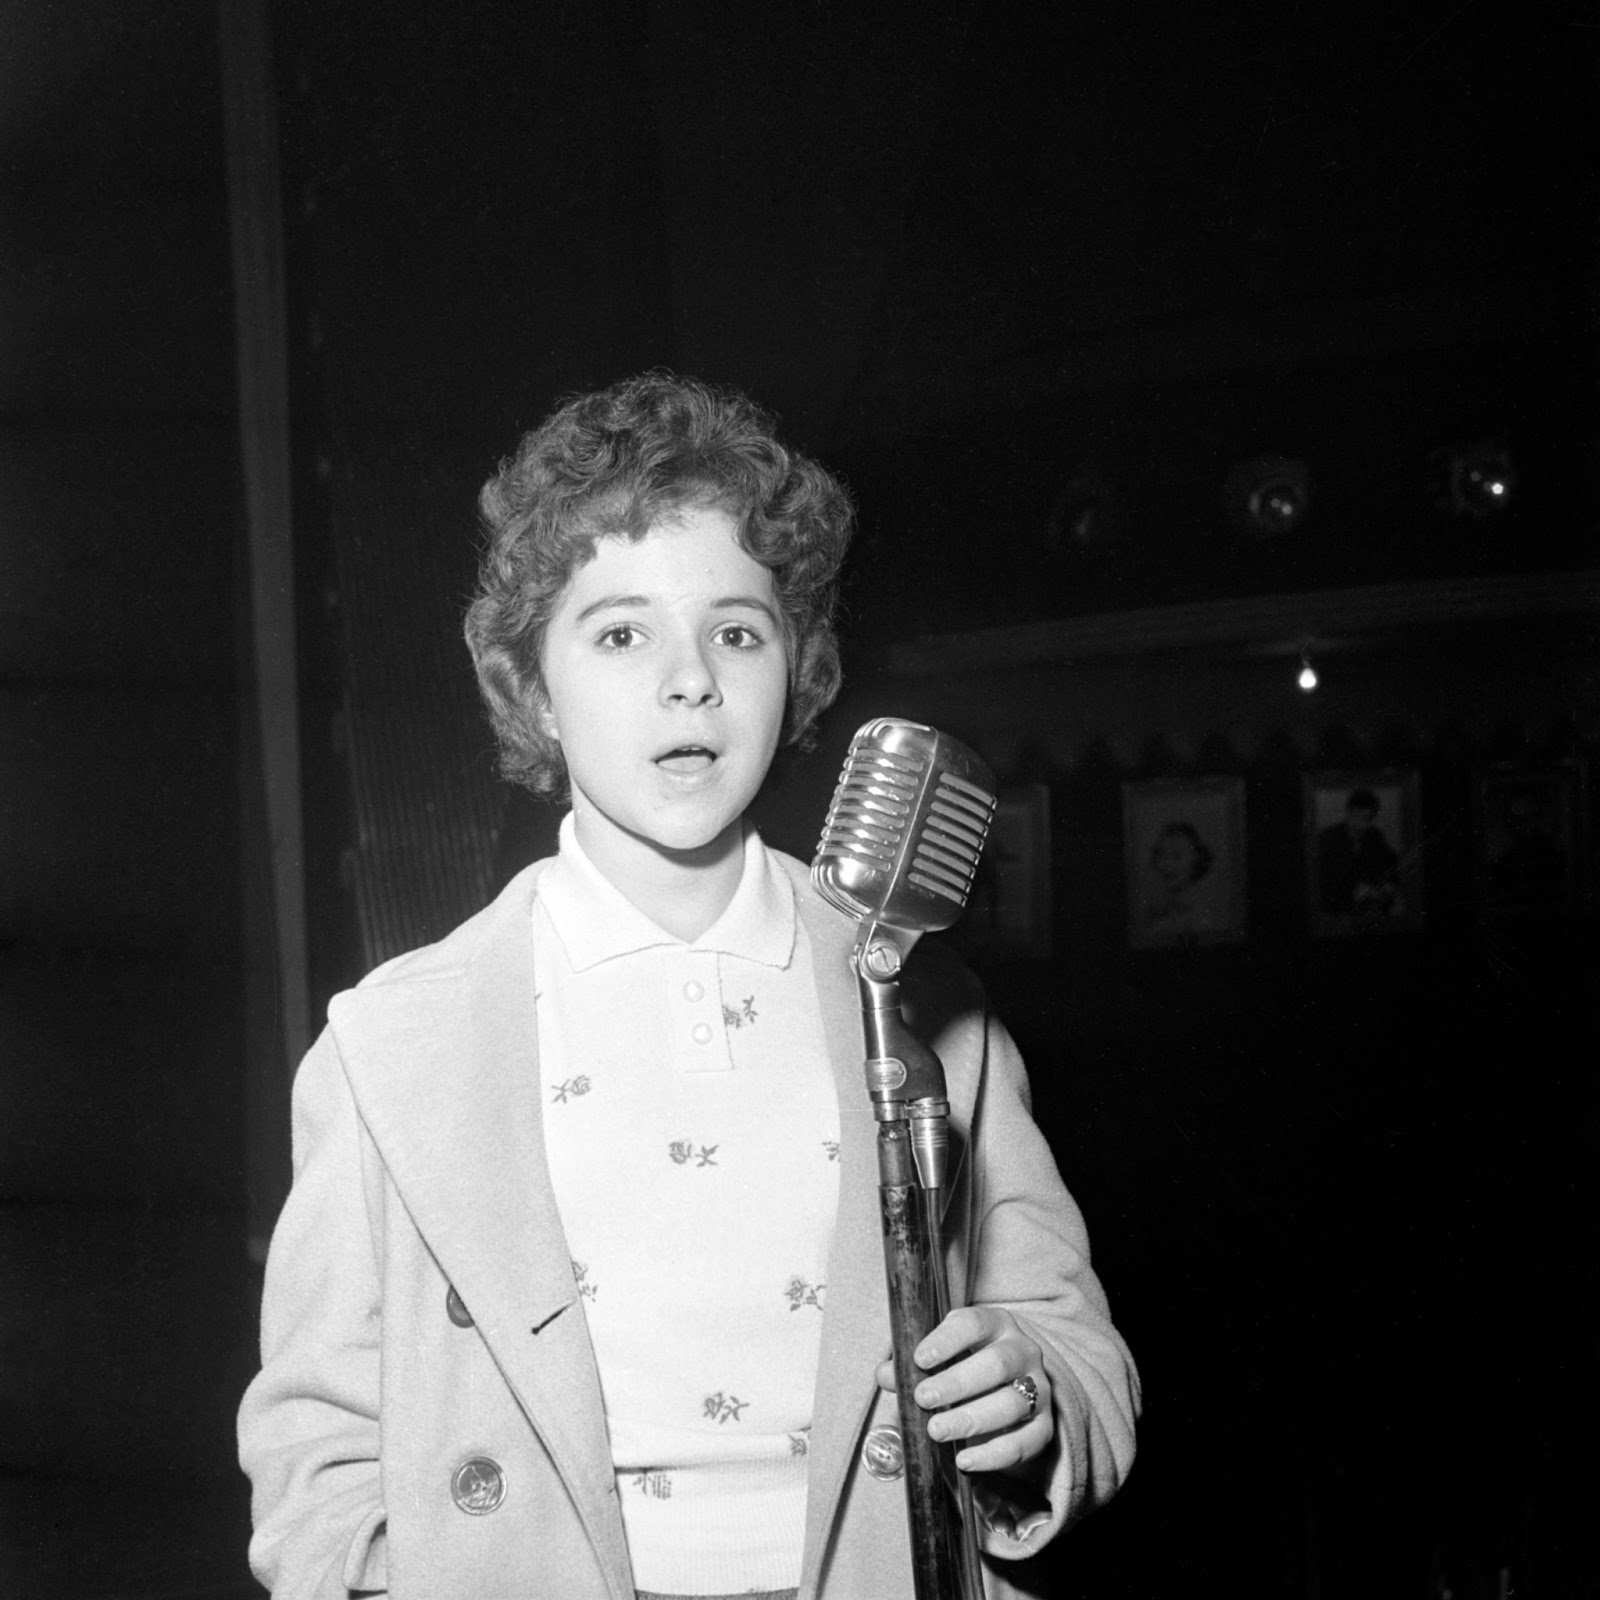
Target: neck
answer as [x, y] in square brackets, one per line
[682, 891]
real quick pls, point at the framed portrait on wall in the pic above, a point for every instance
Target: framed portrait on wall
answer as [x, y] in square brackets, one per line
[1530, 838]
[1363, 852]
[1009, 910]
[1184, 865]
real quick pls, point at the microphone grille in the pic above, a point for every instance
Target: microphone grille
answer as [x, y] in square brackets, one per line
[906, 829]
[866, 825]
[949, 845]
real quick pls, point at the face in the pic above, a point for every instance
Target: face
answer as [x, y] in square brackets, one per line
[666, 675]
[1174, 859]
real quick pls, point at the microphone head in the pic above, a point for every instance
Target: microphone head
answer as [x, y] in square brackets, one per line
[906, 827]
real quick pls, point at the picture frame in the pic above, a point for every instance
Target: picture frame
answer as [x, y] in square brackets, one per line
[1363, 852]
[1009, 911]
[1184, 862]
[1530, 839]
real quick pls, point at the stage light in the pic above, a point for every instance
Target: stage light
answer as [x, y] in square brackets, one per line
[1307, 679]
[1268, 495]
[1082, 523]
[1478, 480]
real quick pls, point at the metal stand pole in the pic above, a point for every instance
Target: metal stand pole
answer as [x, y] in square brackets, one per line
[906, 1082]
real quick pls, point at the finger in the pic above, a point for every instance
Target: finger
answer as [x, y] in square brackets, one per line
[999, 1411]
[1007, 1449]
[991, 1367]
[886, 1375]
[964, 1329]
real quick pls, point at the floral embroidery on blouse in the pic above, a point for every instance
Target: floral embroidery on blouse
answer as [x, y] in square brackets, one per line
[745, 1013]
[683, 1151]
[720, 1407]
[578, 1085]
[800, 1293]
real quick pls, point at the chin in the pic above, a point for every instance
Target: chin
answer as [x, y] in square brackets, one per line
[690, 839]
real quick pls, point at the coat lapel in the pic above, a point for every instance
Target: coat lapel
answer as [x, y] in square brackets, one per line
[855, 1324]
[447, 1078]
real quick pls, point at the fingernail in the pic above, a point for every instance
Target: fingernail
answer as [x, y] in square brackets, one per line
[927, 1394]
[923, 1356]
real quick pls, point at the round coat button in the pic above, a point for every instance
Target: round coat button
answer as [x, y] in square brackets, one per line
[456, 1310]
[692, 990]
[883, 1454]
[478, 1486]
[701, 1033]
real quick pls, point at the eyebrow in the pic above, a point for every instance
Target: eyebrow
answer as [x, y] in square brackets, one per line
[643, 602]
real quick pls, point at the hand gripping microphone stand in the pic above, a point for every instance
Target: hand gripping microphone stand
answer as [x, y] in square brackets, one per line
[901, 844]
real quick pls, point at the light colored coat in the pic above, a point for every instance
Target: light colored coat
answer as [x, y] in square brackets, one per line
[420, 1168]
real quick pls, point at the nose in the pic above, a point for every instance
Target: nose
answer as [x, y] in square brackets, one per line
[689, 679]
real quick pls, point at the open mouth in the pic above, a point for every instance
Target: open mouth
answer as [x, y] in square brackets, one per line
[687, 759]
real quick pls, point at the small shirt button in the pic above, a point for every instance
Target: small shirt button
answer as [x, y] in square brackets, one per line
[456, 1310]
[883, 1455]
[478, 1486]
[693, 990]
[701, 1033]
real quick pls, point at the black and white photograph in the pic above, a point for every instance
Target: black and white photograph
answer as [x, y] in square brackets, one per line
[796, 800]
[1364, 853]
[1185, 845]
[1008, 909]
[1532, 839]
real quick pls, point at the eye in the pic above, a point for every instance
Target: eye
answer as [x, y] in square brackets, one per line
[739, 636]
[619, 636]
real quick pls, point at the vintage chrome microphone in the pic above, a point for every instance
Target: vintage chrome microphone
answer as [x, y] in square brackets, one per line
[901, 845]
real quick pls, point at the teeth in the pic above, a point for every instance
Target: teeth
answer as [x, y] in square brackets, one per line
[687, 758]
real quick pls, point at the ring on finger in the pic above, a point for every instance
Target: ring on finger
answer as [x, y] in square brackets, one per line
[1029, 1390]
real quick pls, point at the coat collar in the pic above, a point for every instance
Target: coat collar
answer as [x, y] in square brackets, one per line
[855, 1324]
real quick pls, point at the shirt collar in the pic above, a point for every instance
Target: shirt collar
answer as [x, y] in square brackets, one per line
[596, 922]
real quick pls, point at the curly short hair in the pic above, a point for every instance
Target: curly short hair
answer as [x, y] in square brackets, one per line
[615, 464]
[1202, 854]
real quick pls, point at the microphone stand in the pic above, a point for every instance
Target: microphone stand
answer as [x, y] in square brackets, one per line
[905, 1080]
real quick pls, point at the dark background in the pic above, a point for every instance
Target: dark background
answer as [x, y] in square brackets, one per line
[1034, 285]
